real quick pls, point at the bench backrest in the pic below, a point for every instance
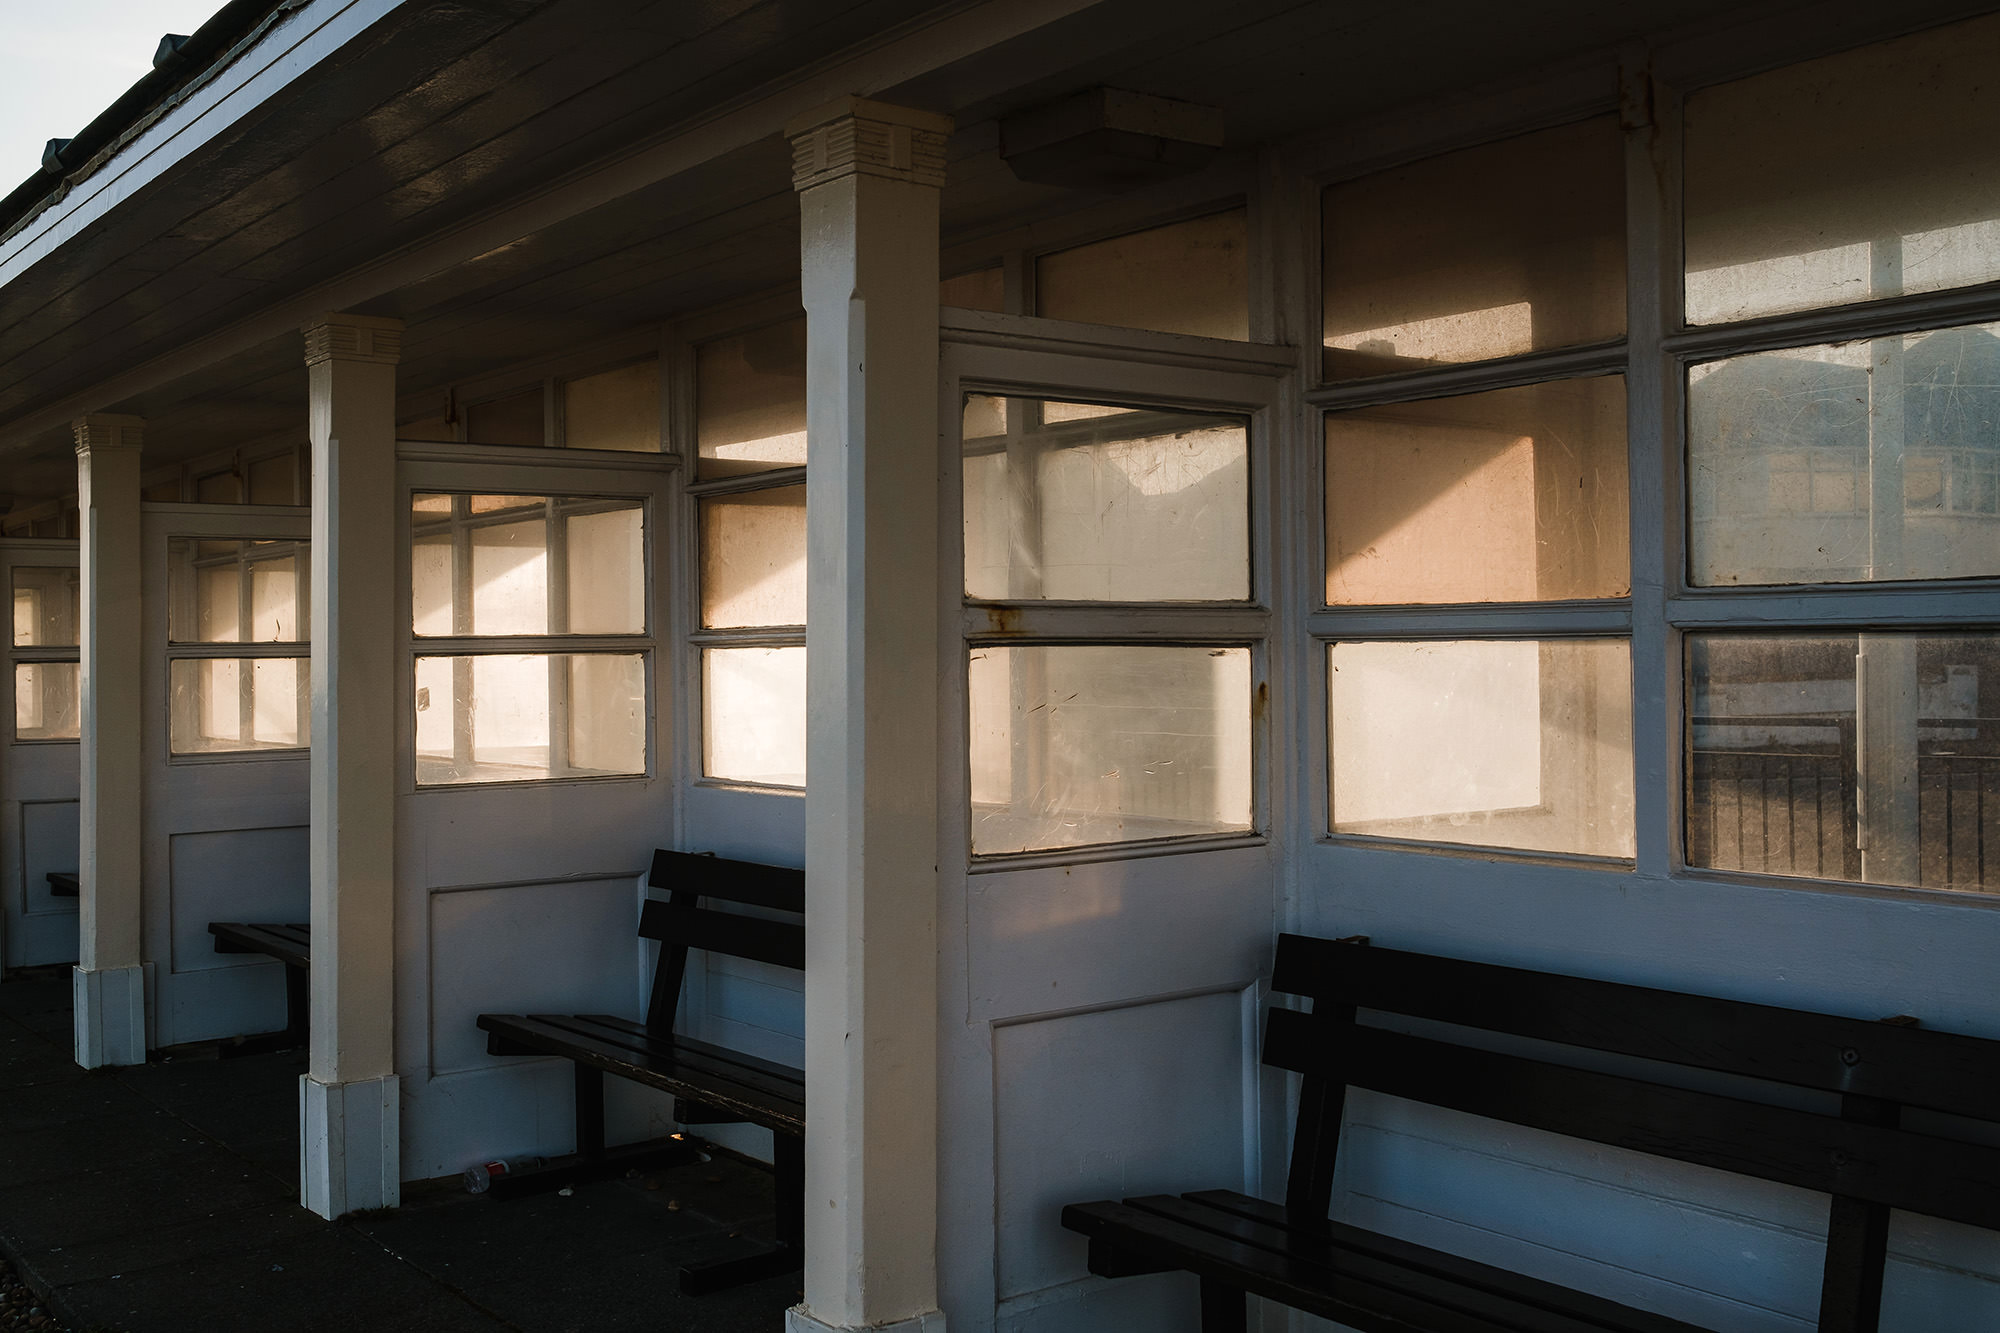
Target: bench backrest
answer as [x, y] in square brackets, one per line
[681, 922]
[1858, 1153]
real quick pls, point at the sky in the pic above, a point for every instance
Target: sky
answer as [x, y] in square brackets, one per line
[64, 61]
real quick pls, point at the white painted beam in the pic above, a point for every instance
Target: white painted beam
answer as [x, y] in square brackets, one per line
[869, 178]
[349, 1139]
[110, 992]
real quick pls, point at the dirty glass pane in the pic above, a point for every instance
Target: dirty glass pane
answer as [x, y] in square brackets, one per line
[1862, 175]
[237, 591]
[1514, 495]
[45, 607]
[519, 717]
[219, 488]
[1492, 251]
[482, 565]
[236, 703]
[753, 559]
[275, 480]
[1075, 502]
[606, 560]
[617, 409]
[1862, 462]
[981, 289]
[1517, 744]
[753, 708]
[45, 701]
[1866, 757]
[750, 401]
[431, 428]
[1189, 277]
[1085, 745]
[516, 419]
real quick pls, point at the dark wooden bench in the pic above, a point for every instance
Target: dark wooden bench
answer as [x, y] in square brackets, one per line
[710, 1084]
[1854, 1150]
[291, 944]
[64, 884]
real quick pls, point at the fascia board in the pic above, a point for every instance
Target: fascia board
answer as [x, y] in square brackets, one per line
[309, 35]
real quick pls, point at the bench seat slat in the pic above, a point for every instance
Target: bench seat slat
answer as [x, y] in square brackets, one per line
[1943, 1178]
[761, 1092]
[1428, 1265]
[1332, 1283]
[288, 942]
[1939, 1070]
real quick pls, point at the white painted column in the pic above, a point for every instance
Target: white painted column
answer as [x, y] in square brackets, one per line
[868, 177]
[110, 999]
[349, 1116]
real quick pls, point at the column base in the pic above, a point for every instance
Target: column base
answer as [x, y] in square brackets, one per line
[799, 1320]
[350, 1145]
[109, 1004]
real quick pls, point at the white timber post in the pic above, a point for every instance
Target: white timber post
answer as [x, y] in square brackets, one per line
[349, 1114]
[110, 998]
[868, 177]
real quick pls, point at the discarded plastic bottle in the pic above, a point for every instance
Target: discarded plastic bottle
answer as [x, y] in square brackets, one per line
[479, 1179]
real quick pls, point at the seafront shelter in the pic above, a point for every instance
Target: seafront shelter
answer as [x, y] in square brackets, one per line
[1097, 484]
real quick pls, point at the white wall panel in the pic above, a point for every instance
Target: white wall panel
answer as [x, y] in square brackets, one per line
[1146, 1098]
[256, 874]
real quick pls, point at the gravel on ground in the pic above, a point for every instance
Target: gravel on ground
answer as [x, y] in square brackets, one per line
[20, 1309]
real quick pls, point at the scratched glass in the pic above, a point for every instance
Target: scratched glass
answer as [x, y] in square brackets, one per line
[522, 717]
[614, 409]
[237, 591]
[1510, 247]
[497, 565]
[1513, 495]
[1086, 745]
[1517, 744]
[46, 701]
[1188, 277]
[753, 559]
[1872, 758]
[753, 704]
[750, 401]
[1869, 174]
[222, 704]
[45, 607]
[1079, 502]
[1861, 462]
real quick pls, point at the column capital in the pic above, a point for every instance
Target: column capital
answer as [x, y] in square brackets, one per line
[856, 137]
[368, 338]
[98, 432]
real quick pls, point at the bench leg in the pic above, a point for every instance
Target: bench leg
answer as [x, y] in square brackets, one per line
[297, 988]
[788, 1161]
[589, 1112]
[1224, 1309]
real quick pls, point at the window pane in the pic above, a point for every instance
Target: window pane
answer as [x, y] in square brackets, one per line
[274, 480]
[45, 607]
[753, 559]
[219, 488]
[1191, 277]
[235, 703]
[982, 289]
[618, 409]
[1492, 251]
[1867, 174]
[512, 420]
[237, 591]
[1514, 495]
[606, 559]
[753, 705]
[1871, 757]
[750, 401]
[45, 701]
[1497, 744]
[1075, 746]
[522, 717]
[497, 549]
[1073, 502]
[1866, 461]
